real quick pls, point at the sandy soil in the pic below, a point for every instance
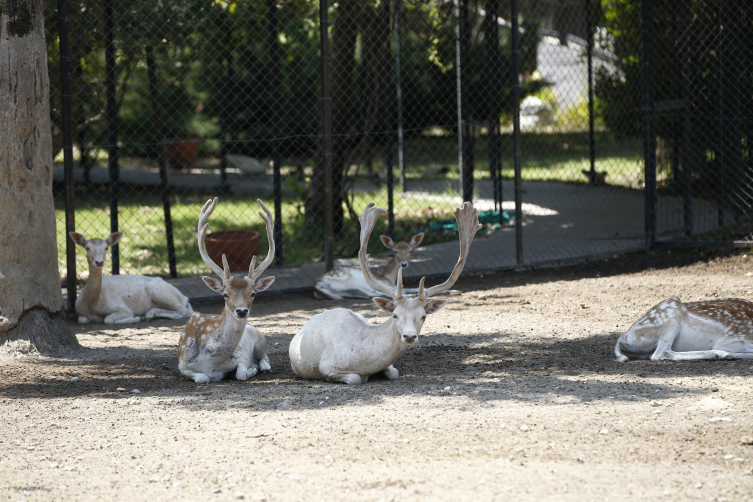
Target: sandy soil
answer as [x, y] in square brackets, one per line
[512, 394]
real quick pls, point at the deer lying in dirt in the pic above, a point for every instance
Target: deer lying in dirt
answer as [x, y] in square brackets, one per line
[213, 345]
[677, 331]
[123, 299]
[349, 282]
[342, 346]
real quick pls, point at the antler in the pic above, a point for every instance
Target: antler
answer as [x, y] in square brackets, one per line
[370, 215]
[205, 214]
[268, 220]
[468, 225]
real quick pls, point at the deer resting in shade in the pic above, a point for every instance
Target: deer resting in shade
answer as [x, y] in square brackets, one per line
[342, 346]
[677, 331]
[213, 345]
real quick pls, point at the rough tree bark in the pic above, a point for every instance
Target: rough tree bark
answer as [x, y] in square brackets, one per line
[31, 302]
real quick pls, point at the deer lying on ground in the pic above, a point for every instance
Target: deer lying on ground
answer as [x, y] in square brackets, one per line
[213, 345]
[342, 346]
[123, 299]
[349, 282]
[677, 331]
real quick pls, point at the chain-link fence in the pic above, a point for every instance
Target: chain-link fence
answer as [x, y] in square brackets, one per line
[545, 113]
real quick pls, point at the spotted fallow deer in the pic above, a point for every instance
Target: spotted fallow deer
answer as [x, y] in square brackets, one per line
[677, 331]
[349, 282]
[213, 345]
[342, 346]
[123, 299]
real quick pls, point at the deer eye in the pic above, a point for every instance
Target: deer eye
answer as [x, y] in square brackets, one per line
[253, 295]
[423, 318]
[393, 315]
[224, 295]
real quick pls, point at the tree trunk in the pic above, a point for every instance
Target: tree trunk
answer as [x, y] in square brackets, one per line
[31, 302]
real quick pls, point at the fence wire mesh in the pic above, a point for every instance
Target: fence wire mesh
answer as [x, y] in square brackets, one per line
[428, 103]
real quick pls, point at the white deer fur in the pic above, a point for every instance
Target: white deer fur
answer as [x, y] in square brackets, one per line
[342, 346]
[123, 299]
[213, 345]
[677, 331]
[349, 282]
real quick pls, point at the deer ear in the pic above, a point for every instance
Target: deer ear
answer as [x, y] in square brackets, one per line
[78, 238]
[384, 304]
[388, 243]
[416, 240]
[114, 238]
[214, 284]
[434, 305]
[263, 284]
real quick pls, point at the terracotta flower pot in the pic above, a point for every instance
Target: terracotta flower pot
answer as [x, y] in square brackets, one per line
[239, 246]
[181, 153]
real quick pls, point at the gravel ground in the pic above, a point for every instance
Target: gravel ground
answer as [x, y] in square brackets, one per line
[511, 394]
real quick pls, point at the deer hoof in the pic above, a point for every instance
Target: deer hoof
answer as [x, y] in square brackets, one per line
[265, 367]
[251, 372]
[201, 378]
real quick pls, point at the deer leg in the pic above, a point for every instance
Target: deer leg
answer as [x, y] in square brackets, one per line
[196, 377]
[391, 372]
[348, 378]
[264, 364]
[122, 317]
[665, 352]
[167, 314]
[82, 319]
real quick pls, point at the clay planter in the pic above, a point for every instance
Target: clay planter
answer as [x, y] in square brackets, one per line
[239, 246]
[181, 153]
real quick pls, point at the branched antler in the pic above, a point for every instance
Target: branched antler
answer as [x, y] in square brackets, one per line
[206, 212]
[370, 215]
[468, 225]
[269, 222]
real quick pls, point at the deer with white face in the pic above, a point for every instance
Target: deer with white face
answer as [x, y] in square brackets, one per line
[123, 299]
[349, 282]
[342, 346]
[213, 345]
[677, 331]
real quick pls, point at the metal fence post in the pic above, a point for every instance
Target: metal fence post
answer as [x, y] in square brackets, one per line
[516, 133]
[687, 167]
[589, 54]
[158, 140]
[326, 143]
[225, 118]
[112, 130]
[491, 40]
[274, 63]
[390, 123]
[70, 213]
[469, 143]
[399, 85]
[649, 125]
[459, 87]
[720, 122]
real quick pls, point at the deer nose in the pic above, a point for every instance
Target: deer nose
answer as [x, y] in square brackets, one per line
[410, 338]
[241, 312]
[403, 264]
[99, 263]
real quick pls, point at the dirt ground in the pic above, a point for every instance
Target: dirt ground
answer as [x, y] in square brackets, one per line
[511, 394]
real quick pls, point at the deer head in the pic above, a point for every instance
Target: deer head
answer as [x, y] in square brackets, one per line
[239, 292]
[409, 312]
[402, 249]
[96, 249]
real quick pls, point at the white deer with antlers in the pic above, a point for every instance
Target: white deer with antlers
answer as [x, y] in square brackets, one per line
[123, 299]
[677, 331]
[342, 346]
[213, 345]
[349, 282]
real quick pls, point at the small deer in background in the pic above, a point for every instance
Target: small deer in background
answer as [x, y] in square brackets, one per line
[213, 345]
[677, 331]
[123, 299]
[349, 282]
[342, 346]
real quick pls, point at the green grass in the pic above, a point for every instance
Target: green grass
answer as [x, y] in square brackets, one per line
[143, 248]
[555, 157]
